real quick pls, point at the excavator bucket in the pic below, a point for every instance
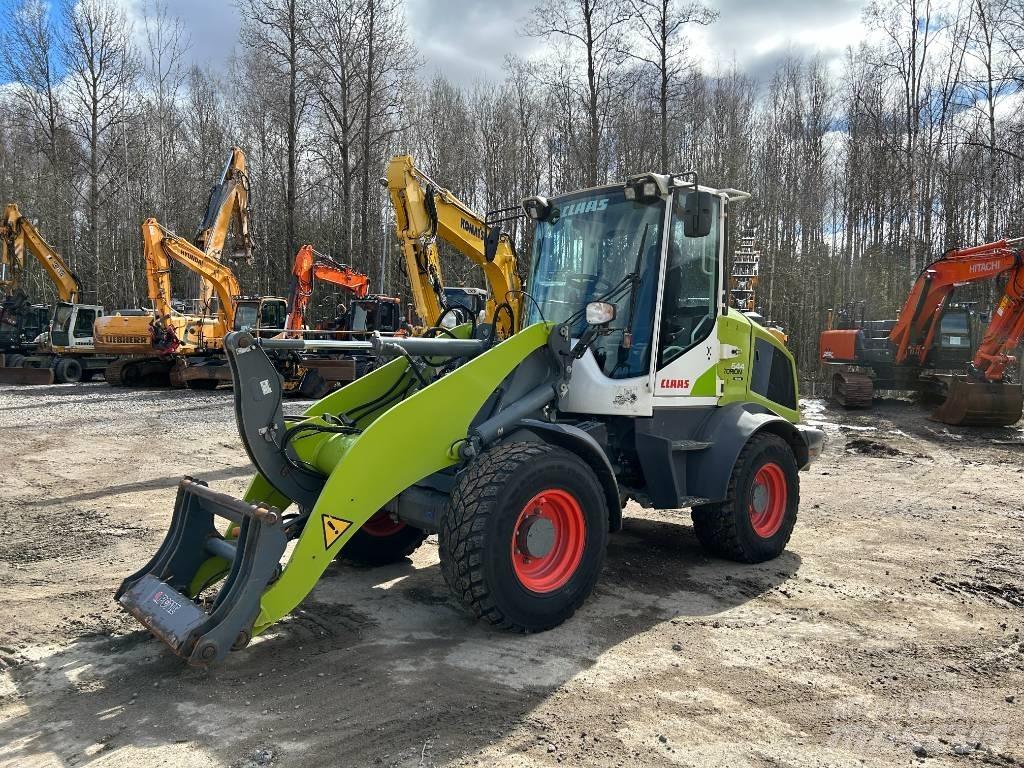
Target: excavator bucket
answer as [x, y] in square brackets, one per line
[979, 404]
[26, 376]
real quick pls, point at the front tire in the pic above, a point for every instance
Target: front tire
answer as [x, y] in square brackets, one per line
[67, 371]
[523, 539]
[756, 520]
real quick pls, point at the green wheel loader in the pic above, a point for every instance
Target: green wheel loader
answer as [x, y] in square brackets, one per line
[628, 377]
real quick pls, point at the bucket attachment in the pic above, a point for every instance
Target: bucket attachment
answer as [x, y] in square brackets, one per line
[973, 403]
[194, 555]
[26, 376]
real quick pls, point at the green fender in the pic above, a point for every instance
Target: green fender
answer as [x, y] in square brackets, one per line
[397, 448]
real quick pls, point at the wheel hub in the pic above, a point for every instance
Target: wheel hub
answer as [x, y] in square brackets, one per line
[768, 500]
[760, 500]
[548, 540]
[536, 535]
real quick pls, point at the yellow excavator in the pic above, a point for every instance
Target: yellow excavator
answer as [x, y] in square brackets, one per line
[426, 212]
[183, 349]
[64, 351]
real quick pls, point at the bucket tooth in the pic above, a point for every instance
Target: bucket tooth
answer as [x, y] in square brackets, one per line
[972, 403]
[161, 594]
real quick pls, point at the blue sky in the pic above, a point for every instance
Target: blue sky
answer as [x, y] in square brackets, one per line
[467, 40]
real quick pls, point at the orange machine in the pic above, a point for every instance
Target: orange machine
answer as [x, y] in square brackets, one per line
[933, 334]
[309, 266]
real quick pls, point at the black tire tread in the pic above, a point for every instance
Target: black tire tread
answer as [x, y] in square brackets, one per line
[715, 524]
[462, 528]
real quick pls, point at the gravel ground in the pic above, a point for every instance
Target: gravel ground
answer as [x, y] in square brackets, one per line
[890, 632]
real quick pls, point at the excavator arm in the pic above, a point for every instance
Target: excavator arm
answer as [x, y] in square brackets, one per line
[161, 247]
[424, 212]
[18, 235]
[919, 320]
[228, 202]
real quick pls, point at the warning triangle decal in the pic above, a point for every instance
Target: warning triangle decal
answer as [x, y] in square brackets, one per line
[333, 528]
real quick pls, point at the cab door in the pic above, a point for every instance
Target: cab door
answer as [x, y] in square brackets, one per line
[688, 350]
[82, 320]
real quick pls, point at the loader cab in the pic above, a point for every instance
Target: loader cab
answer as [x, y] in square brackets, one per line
[654, 247]
[72, 324]
[265, 316]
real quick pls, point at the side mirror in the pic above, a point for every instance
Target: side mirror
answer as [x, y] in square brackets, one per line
[697, 213]
[600, 313]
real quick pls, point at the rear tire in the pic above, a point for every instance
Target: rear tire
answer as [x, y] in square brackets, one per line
[523, 538]
[381, 541]
[67, 370]
[15, 361]
[756, 520]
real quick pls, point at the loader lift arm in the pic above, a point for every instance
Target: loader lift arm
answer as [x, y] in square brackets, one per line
[309, 266]
[18, 235]
[919, 321]
[426, 211]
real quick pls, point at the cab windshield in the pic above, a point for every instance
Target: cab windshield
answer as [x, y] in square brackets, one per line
[246, 316]
[587, 247]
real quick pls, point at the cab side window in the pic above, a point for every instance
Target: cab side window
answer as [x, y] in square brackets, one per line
[272, 315]
[83, 322]
[689, 307]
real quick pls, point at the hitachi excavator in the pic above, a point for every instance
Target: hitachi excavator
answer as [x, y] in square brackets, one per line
[155, 348]
[426, 212]
[185, 348]
[64, 351]
[628, 377]
[316, 375]
[933, 335]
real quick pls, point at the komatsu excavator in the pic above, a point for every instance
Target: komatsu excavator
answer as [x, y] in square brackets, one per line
[932, 335]
[426, 212]
[628, 377]
[64, 352]
[187, 349]
[155, 348]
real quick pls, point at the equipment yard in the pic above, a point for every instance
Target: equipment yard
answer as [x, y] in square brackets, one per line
[890, 632]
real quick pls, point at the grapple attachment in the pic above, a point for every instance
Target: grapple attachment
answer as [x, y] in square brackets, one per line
[972, 403]
[193, 556]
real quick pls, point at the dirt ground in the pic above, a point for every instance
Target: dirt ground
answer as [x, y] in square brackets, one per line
[890, 633]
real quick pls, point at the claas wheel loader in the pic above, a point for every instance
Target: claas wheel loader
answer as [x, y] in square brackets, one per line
[630, 378]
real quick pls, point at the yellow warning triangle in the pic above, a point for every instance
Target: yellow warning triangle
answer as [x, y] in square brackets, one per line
[333, 528]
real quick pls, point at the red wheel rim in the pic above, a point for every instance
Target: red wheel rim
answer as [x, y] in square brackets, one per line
[382, 525]
[548, 540]
[767, 506]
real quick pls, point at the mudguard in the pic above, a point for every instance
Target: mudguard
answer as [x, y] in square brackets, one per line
[584, 445]
[727, 430]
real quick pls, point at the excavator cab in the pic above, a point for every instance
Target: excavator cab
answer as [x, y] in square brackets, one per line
[71, 326]
[375, 313]
[260, 315]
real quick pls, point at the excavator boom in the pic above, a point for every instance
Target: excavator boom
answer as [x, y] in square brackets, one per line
[18, 235]
[426, 212]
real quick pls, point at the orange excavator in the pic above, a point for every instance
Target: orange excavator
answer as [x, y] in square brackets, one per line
[316, 375]
[933, 334]
[311, 266]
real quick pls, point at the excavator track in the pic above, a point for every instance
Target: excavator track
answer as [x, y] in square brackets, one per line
[852, 390]
[132, 372]
[971, 403]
